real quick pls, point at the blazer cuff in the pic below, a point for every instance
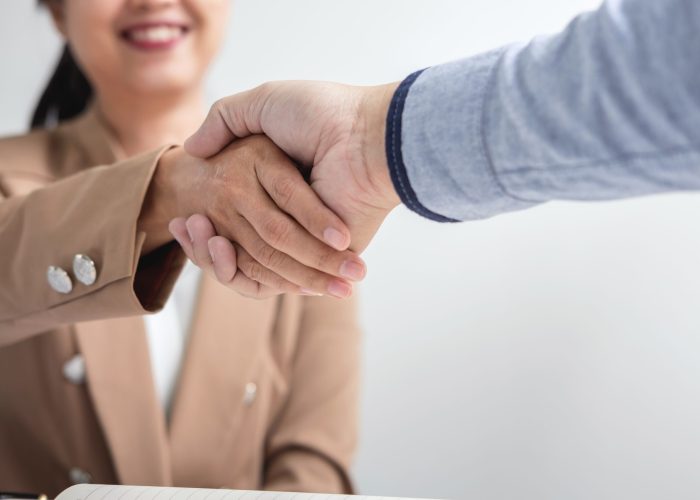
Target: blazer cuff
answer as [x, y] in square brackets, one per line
[94, 213]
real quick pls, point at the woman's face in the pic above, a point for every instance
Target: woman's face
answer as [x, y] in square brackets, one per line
[144, 46]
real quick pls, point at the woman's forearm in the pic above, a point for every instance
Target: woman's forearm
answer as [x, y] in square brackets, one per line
[94, 213]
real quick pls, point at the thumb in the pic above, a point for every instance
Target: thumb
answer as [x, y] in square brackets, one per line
[230, 118]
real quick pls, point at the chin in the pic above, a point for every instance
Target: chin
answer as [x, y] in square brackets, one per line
[163, 80]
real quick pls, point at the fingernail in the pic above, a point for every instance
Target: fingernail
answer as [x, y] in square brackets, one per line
[189, 234]
[335, 238]
[340, 289]
[311, 293]
[352, 270]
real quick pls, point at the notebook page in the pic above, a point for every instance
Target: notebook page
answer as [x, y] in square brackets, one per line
[118, 492]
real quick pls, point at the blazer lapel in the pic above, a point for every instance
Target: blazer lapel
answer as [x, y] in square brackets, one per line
[120, 385]
[97, 144]
[225, 341]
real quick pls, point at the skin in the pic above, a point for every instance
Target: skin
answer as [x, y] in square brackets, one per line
[286, 239]
[338, 130]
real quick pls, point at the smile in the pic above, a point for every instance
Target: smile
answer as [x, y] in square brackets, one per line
[154, 36]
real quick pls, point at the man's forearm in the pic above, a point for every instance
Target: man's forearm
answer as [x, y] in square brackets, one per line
[609, 108]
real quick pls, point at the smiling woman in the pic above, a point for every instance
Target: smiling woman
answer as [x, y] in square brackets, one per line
[215, 389]
[151, 54]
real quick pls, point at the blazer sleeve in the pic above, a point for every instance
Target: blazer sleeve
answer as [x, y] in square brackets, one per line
[95, 213]
[311, 445]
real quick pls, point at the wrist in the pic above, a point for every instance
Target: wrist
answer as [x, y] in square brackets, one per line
[162, 202]
[373, 111]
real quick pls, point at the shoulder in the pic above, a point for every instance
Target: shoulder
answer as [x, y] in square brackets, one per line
[38, 157]
[27, 155]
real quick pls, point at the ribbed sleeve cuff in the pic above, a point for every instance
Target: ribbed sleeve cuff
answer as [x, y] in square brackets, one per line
[397, 167]
[436, 143]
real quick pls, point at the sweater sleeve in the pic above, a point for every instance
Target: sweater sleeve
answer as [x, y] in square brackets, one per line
[609, 108]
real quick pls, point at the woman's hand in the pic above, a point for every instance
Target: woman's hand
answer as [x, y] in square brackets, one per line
[285, 238]
[215, 255]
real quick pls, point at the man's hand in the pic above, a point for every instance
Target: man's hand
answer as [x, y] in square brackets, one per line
[336, 130]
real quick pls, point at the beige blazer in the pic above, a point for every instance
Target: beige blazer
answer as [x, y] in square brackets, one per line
[268, 393]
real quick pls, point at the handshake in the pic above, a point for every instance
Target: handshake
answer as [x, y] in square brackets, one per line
[280, 189]
[494, 133]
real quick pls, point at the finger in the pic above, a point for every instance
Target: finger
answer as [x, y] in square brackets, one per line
[200, 230]
[223, 255]
[226, 271]
[228, 119]
[290, 192]
[286, 237]
[254, 280]
[267, 259]
[178, 228]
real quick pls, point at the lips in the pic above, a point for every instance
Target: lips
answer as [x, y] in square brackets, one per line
[154, 36]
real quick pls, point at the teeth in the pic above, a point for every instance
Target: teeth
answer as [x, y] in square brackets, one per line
[155, 34]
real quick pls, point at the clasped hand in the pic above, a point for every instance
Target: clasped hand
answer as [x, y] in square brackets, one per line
[249, 217]
[263, 229]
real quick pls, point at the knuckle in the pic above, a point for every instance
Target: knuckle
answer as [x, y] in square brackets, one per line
[324, 259]
[271, 258]
[255, 272]
[264, 88]
[277, 230]
[248, 266]
[284, 190]
[219, 105]
[217, 110]
[263, 254]
[218, 211]
[265, 279]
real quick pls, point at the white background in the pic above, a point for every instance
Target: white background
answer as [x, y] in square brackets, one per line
[552, 353]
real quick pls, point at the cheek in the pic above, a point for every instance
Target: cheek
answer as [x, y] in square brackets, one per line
[107, 62]
[213, 17]
[89, 28]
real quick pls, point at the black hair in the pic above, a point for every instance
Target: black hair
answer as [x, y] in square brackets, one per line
[66, 95]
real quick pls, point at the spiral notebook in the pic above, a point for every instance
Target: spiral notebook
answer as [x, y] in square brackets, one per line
[112, 492]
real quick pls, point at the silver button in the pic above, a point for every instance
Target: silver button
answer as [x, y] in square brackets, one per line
[251, 390]
[84, 269]
[79, 476]
[74, 369]
[59, 279]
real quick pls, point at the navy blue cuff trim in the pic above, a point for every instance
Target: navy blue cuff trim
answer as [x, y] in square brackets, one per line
[397, 168]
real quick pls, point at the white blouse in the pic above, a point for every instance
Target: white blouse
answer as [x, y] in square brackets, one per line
[168, 331]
